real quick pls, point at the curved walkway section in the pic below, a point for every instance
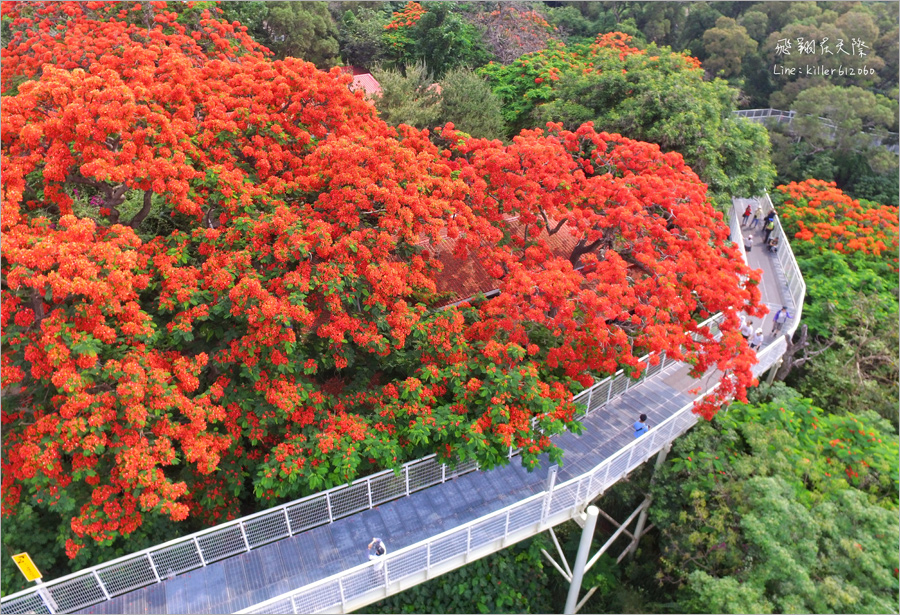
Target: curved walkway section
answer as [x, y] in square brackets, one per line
[431, 518]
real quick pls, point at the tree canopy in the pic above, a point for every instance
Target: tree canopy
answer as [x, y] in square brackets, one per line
[651, 94]
[276, 332]
[780, 507]
[847, 250]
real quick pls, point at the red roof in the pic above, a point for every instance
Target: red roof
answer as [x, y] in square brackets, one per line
[367, 83]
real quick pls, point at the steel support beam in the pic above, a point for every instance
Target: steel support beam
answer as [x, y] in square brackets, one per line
[583, 548]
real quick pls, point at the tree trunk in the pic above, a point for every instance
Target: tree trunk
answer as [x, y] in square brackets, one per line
[790, 359]
[145, 210]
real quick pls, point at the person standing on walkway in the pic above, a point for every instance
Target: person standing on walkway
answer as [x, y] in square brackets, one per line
[778, 321]
[757, 217]
[377, 551]
[747, 213]
[747, 330]
[748, 243]
[757, 340]
[770, 226]
[640, 427]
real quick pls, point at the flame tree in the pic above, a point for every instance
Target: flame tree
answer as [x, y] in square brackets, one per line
[273, 331]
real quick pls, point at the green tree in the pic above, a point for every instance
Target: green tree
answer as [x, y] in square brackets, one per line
[443, 39]
[780, 507]
[362, 37]
[756, 23]
[853, 116]
[653, 95]
[302, 30]
[702, 17]
[838, 557]
[467, 101]
[726, 46]
[409, 98]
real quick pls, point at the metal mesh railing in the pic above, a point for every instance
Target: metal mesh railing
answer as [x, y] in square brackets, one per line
[787, 264]
[885, 139]
[103, 582]
[86, 587]
[481, 536]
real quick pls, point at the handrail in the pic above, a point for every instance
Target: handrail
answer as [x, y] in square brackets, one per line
[122, 575]
[490, 532]
[130, 572]
[535, 514]
[760, 115]
[795, 283]
[737, 236]
[542, 510]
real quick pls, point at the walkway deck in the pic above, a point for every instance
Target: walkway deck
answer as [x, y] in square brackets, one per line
[266, 572]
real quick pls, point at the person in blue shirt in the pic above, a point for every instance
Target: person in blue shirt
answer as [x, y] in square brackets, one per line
[781, 317]
[640, 428]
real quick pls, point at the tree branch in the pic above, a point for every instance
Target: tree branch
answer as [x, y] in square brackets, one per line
[144, 212]
[547, 223]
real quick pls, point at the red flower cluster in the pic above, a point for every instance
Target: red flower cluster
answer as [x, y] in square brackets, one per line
[280, 329]
[410, 14]
[818, 212]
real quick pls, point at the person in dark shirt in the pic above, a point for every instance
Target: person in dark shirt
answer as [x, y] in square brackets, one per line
[377, 550]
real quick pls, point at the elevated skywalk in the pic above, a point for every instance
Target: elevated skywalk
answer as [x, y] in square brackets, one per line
[462, 516]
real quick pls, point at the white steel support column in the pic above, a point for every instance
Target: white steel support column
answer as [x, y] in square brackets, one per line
[770, 377]
[587, 535]
[642, 519]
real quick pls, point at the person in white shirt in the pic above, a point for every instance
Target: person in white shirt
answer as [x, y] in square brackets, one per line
[377, 551]
[747, 330]
[757, 340]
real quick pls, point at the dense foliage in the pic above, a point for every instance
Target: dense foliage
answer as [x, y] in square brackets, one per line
[743, 42]
[847, 250]
[651, 94]
[220, 274]
[781, 507]
[303, 30]
[461, 97]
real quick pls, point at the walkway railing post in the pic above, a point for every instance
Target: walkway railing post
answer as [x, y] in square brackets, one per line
[244, 535]
[551, 483]
[153, 568]
[328, 506]
[287, 518]
[102, 586]
[630, 456]
[199, 551]
[369, 490]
